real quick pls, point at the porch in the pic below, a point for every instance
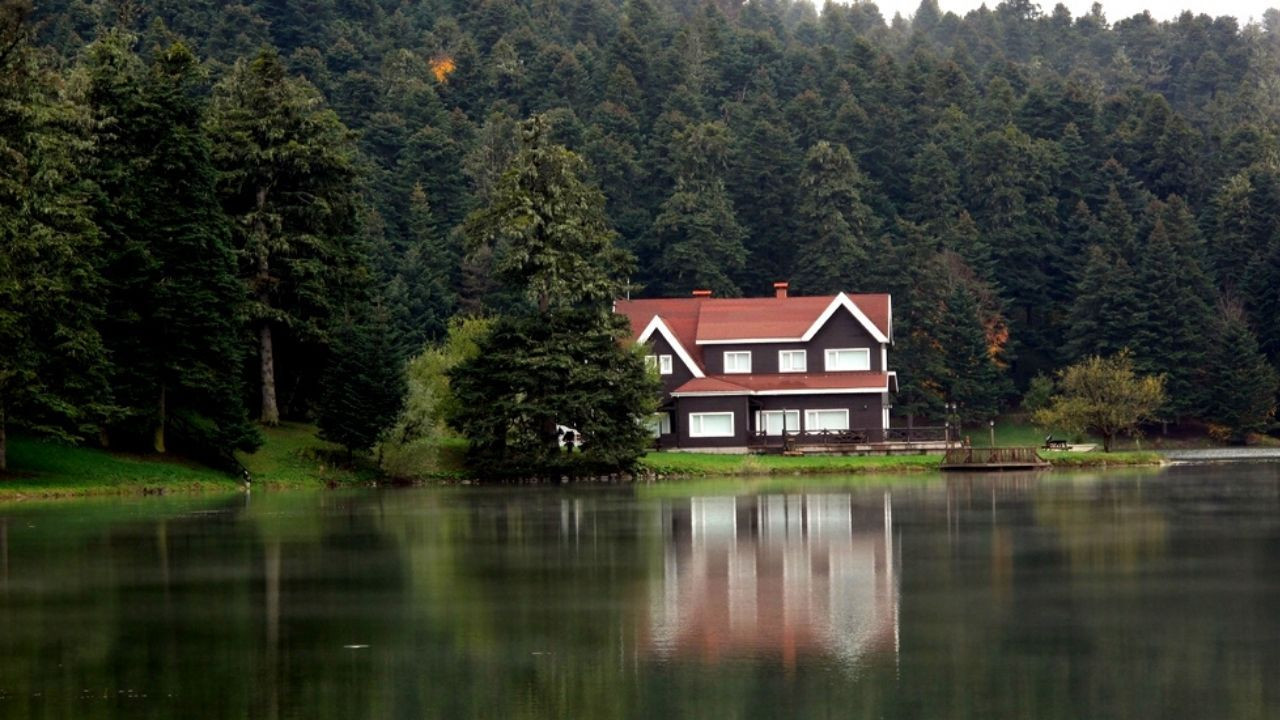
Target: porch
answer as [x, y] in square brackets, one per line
[857, 441]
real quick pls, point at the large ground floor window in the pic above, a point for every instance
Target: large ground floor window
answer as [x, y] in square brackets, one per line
[819, 420]
[659, 424]
[775, 422]
[711, 425]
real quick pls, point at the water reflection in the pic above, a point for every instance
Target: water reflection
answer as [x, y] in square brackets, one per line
[776, 576]
[1116, 596]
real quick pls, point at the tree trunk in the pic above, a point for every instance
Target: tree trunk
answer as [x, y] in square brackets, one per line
[4, 457]
[1106, 442]
[161, 419]
[270, 411]
[270, 408]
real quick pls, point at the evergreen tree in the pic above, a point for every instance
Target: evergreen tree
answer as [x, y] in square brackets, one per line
[364, 384]
[430, 271]
[1170, 338]
[973, 379]
[286, 177]
[833, 224]
[920, 303]
[1240, 385]
[1107, 311]
[175, 305]
[699, 239]
[559, 359]
[762, 180]
[52, 363]
[1232, 243]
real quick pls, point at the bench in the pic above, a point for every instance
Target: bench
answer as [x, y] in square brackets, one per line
[1052, 443]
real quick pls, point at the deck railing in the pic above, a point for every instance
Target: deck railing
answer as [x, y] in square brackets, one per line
[855, 436]
[992, 456]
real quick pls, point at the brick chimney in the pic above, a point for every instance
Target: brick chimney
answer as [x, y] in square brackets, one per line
[702, 293]
[780, 289]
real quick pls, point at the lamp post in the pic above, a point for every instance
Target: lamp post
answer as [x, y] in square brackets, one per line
[953, 420]
[992, 425]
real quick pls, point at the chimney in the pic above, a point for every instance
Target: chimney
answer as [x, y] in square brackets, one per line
[702, 293]
[780, 289]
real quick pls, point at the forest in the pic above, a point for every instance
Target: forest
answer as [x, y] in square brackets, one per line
[219, 213]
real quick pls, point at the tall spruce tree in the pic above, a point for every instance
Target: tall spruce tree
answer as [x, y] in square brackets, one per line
[175, 304]
[52, 362]
[1170, 338]
[697, 232]
[973, 379]
[1240, 384]
[834, 226]
[1107, 311]
[364, 384]
[286, 179]
[559, 360]
[762, 181]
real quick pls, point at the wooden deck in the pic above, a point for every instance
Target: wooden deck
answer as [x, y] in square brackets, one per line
[992, 459]
[874, 441]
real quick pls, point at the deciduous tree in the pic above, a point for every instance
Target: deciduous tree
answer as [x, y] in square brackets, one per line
[1103, 395]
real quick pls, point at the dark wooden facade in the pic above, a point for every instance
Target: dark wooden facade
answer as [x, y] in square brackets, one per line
[842, 331]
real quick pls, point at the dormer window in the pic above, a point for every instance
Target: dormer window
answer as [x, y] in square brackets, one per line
[792, 361]
[845, 359]
[737, 362]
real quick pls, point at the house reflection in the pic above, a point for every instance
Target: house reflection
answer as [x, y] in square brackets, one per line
[777, 576]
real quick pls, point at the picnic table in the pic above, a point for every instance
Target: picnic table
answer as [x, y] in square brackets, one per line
[1052, 443]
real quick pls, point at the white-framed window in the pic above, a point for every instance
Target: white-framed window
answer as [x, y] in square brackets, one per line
[839, 359]
[737, 361]
[661, 363]
[711, 425]
[793, 360]
[775, 422]
[818, 420]
[659, 424]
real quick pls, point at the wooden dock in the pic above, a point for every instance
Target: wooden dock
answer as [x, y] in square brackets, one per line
[992, 459]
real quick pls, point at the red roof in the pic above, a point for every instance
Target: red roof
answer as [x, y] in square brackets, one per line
[695, 320]
[782, 382]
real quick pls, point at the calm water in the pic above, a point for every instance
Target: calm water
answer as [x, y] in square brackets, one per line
[1151, 595]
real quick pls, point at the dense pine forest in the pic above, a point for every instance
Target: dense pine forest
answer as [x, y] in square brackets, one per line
[218, 213]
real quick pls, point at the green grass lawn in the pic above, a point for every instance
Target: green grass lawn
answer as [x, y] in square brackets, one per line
[681, 464]
[695, 464]
[291, 457]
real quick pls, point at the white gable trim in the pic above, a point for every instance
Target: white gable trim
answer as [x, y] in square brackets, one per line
[889, 304]
[843, 301]
[839, 301]
[657, 324]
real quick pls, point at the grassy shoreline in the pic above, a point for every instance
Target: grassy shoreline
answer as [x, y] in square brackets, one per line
[294, 458]
[678, 465]
[291, 458]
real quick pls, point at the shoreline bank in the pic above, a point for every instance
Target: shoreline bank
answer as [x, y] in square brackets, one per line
[674, 466]
[292, 459]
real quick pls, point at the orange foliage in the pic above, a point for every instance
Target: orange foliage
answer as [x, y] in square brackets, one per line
[442, 66]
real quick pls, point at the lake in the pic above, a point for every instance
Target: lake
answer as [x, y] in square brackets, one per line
[1146, 594]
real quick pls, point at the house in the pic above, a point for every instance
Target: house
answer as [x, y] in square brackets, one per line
[741, 372]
